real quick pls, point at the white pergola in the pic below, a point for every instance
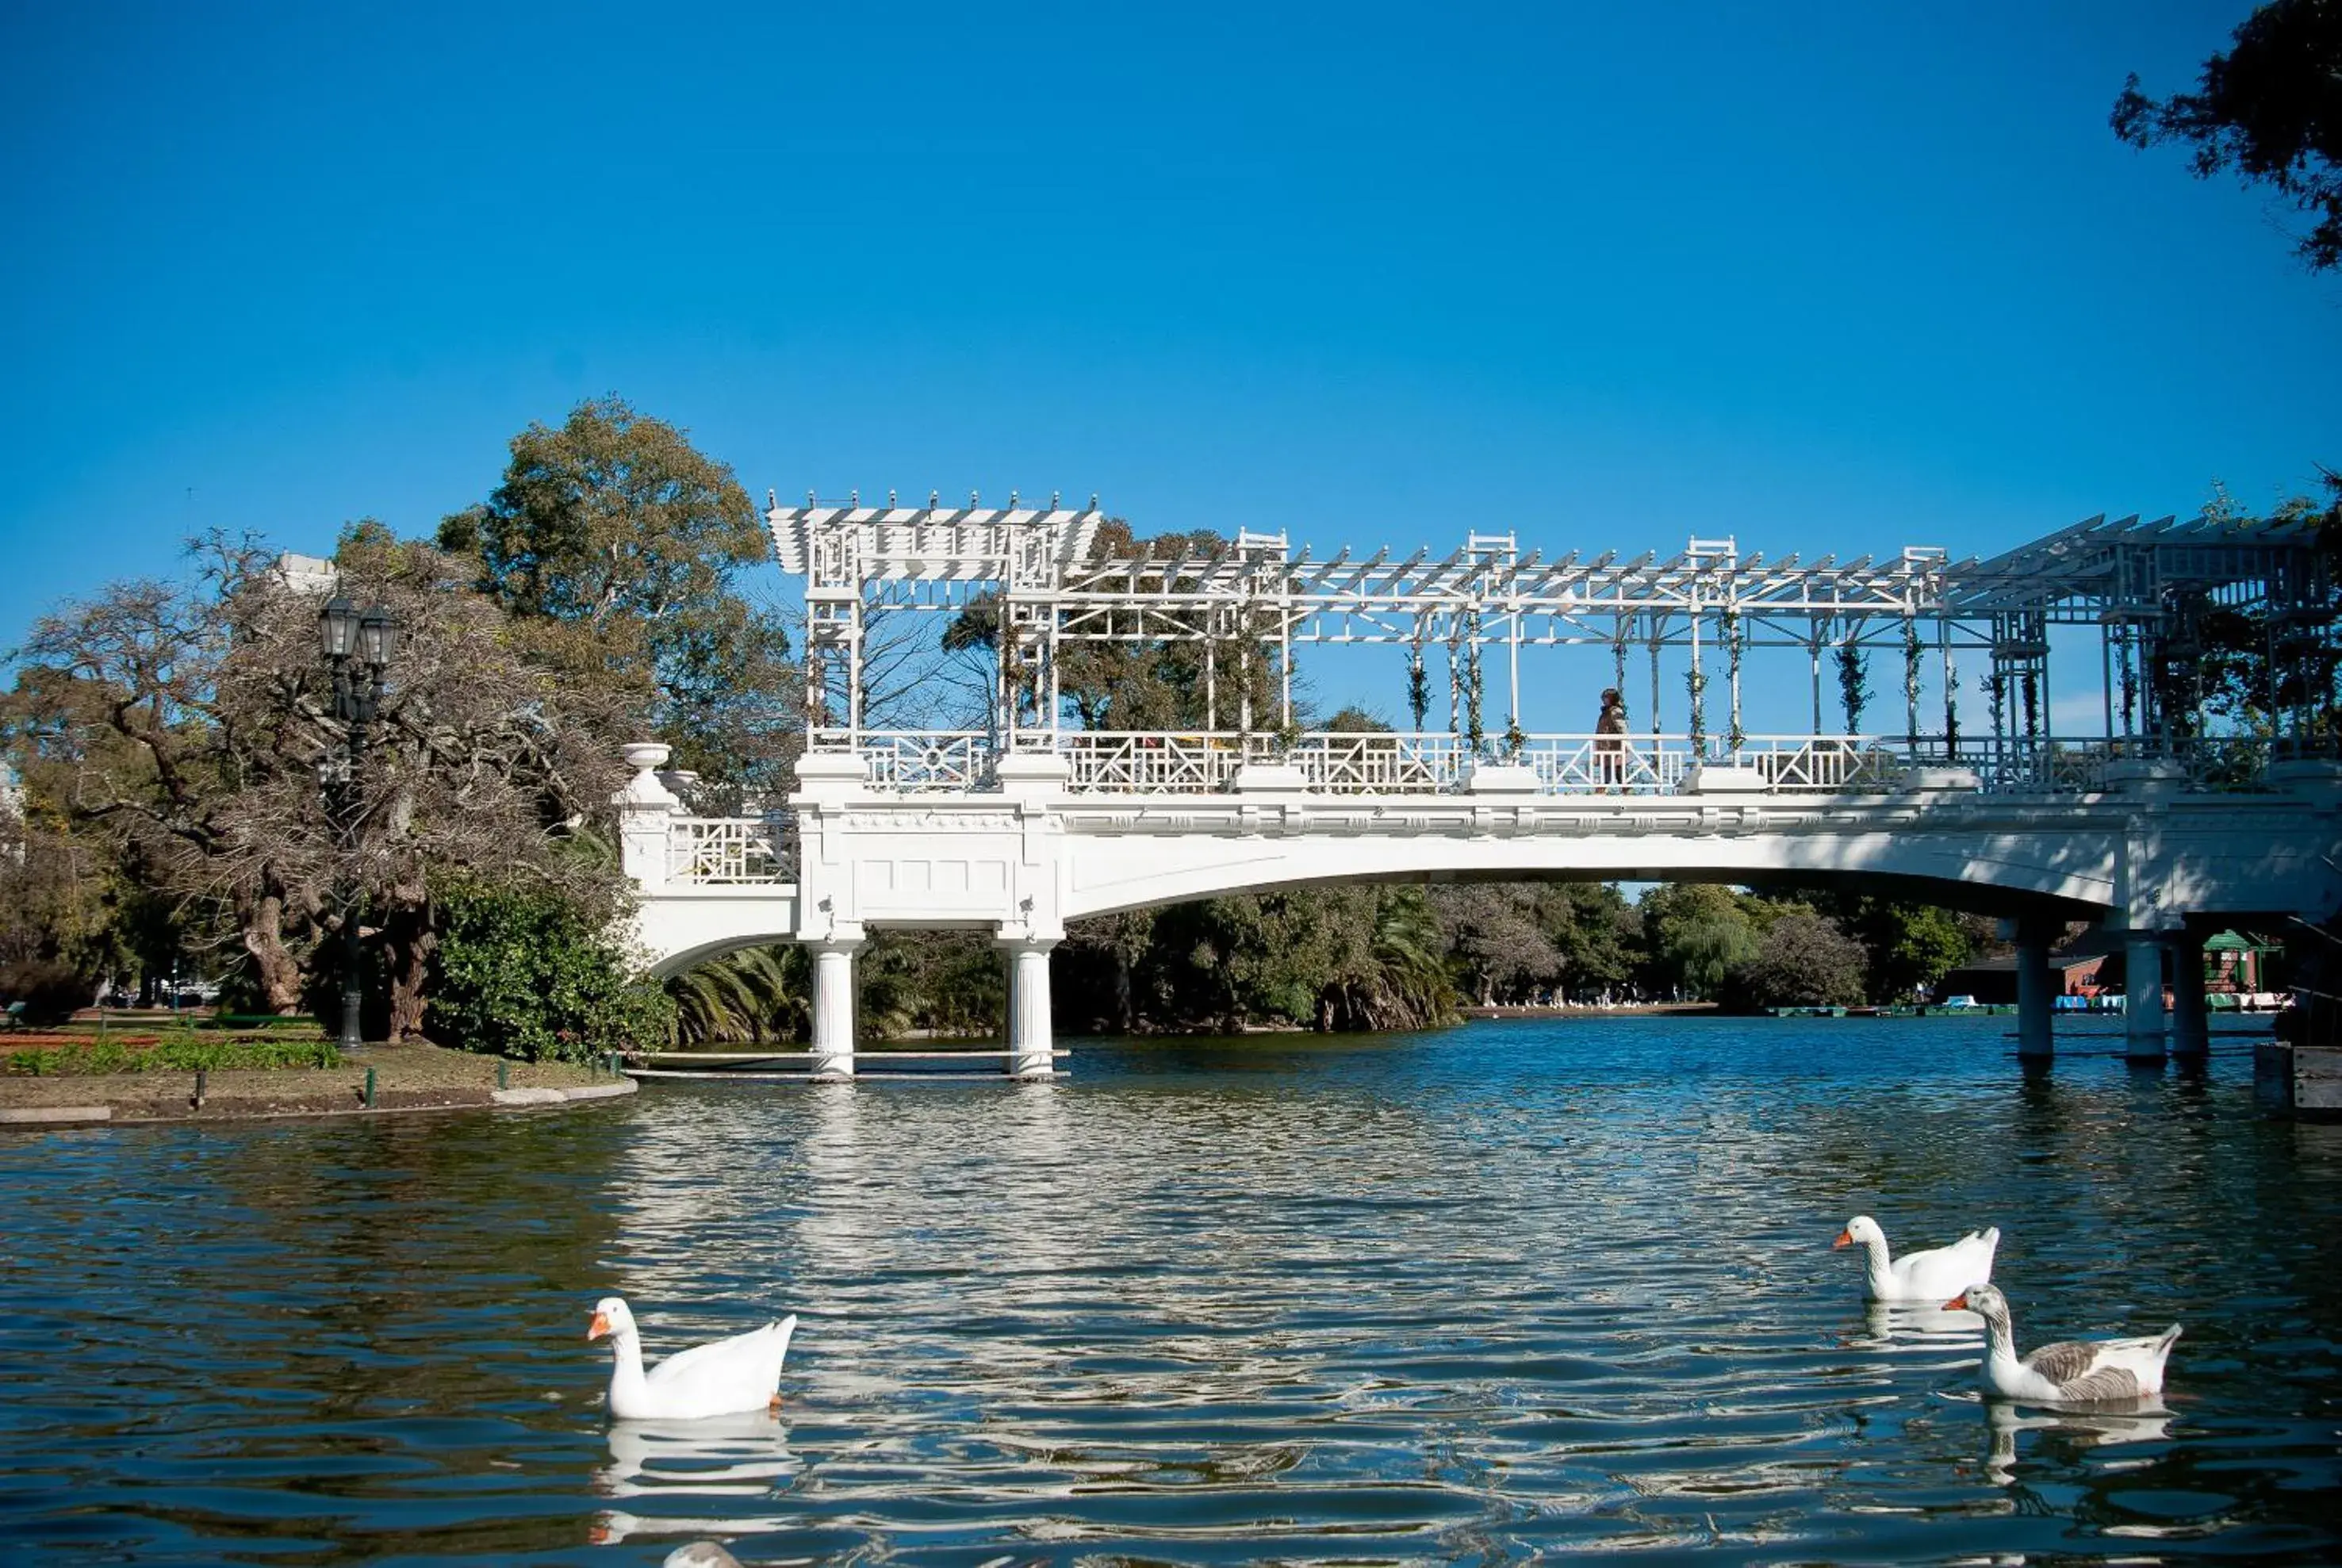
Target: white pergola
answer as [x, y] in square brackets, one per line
[2146, 587]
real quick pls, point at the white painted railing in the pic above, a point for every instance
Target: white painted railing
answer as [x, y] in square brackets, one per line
[1112, 762]
[917, 761]
[727, 851]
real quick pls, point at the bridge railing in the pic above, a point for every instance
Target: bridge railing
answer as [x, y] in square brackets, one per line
[918, 762]
[1119, 762]
[723, 850]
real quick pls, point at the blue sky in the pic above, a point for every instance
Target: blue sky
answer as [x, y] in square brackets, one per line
[1824, 277]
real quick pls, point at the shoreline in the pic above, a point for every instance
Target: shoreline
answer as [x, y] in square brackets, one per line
[409, 1078]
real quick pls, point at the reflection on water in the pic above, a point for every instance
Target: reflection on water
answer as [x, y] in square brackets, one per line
[1522, 1289]
[662, 1468]
[2134, 1420]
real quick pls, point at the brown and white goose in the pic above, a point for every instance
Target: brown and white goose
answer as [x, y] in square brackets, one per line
[2071, 1371]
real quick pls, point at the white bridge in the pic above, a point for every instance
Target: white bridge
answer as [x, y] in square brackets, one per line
[2165, 826]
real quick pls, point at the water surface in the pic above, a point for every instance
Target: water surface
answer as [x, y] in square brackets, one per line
[1517, 1289]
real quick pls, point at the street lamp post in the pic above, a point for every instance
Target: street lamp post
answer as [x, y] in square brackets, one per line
[359, 647]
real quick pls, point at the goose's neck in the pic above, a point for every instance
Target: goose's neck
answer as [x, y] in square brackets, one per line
[1875, 1265]
[626, 1364]
[1999, 1338]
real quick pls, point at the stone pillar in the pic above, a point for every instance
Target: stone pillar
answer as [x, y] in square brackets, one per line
[646, 813]
[2035, 995]
[2143, 995]
[1030, 1037]
[833, 1008]
[2191, 1021]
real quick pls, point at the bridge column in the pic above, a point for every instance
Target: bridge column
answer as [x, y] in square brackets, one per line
[2036, 998]
[833, 1007]
[1030, 1036]
[2191, 1020]
[2143, 995]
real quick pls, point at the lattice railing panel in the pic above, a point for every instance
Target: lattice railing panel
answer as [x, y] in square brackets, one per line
[731, 850]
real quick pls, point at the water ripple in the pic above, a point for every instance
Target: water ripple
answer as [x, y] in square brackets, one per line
[1520, 1288]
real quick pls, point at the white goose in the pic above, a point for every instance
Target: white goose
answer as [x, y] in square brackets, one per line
[1927, 1276]
[728, 1377]
[2072, 1372]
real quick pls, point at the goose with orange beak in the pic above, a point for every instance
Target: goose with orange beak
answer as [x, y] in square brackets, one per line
[2071, 1371]
[727, 1377]
[1923, 1277]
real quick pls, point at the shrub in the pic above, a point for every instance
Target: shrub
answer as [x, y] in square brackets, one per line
[520, 974]
[49, 991]
[180, 1053]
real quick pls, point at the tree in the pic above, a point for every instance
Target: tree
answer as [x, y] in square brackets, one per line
[757, 994]
[1596, 933]
[1695, 933]
[1803, 960]
[2270, 108]
[621, 545]
[189, 726]
[1496, 947]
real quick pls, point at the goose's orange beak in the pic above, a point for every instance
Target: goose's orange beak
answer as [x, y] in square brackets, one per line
[1845, 1239]
[598, 1327]
[1959, 1304]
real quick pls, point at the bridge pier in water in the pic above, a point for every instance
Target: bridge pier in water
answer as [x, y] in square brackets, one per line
[2143, 995]
[1031, 1037]
[2191, 1020]
[833, 1008]
[2035, 1003]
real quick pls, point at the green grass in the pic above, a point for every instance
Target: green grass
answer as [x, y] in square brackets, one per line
[177, 1053]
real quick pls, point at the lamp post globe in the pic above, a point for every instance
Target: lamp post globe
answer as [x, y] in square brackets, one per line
[337, 628]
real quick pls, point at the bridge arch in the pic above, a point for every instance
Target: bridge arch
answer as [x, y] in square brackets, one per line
[2076, 880]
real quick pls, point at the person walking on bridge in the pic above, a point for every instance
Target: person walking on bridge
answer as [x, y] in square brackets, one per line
[1610, 741]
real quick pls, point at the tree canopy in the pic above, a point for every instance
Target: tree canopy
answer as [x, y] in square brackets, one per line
[2270, 108]
[620, 545]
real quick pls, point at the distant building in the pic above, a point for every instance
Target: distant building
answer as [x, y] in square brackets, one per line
[12, 808]
[307, 574]
[1993, 980]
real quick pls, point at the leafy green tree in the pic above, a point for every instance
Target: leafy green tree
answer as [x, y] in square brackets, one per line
[1497, 949]
[1802, 960]
[2270, 108]
[1596, 933]
[520, 973]
[623, 546]
[950, 983]
[1695, 933]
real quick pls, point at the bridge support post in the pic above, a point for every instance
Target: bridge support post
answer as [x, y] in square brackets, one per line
[1030, 1036]
[833, 1009]
[2191, 1020]
[2035, 999]
[2143, 995]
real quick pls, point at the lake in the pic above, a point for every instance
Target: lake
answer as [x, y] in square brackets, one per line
[1520, 1288]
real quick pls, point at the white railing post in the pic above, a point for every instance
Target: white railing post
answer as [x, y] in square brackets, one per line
[646, 810]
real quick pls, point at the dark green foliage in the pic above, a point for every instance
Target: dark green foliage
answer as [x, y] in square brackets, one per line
[619, 545]
[947, 983]
[49, 990]
[173, 1055]
[2270, 108]
[1693, 934]
[755, 996]
[1328, 958]
[520, 974]
[1802, 960]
